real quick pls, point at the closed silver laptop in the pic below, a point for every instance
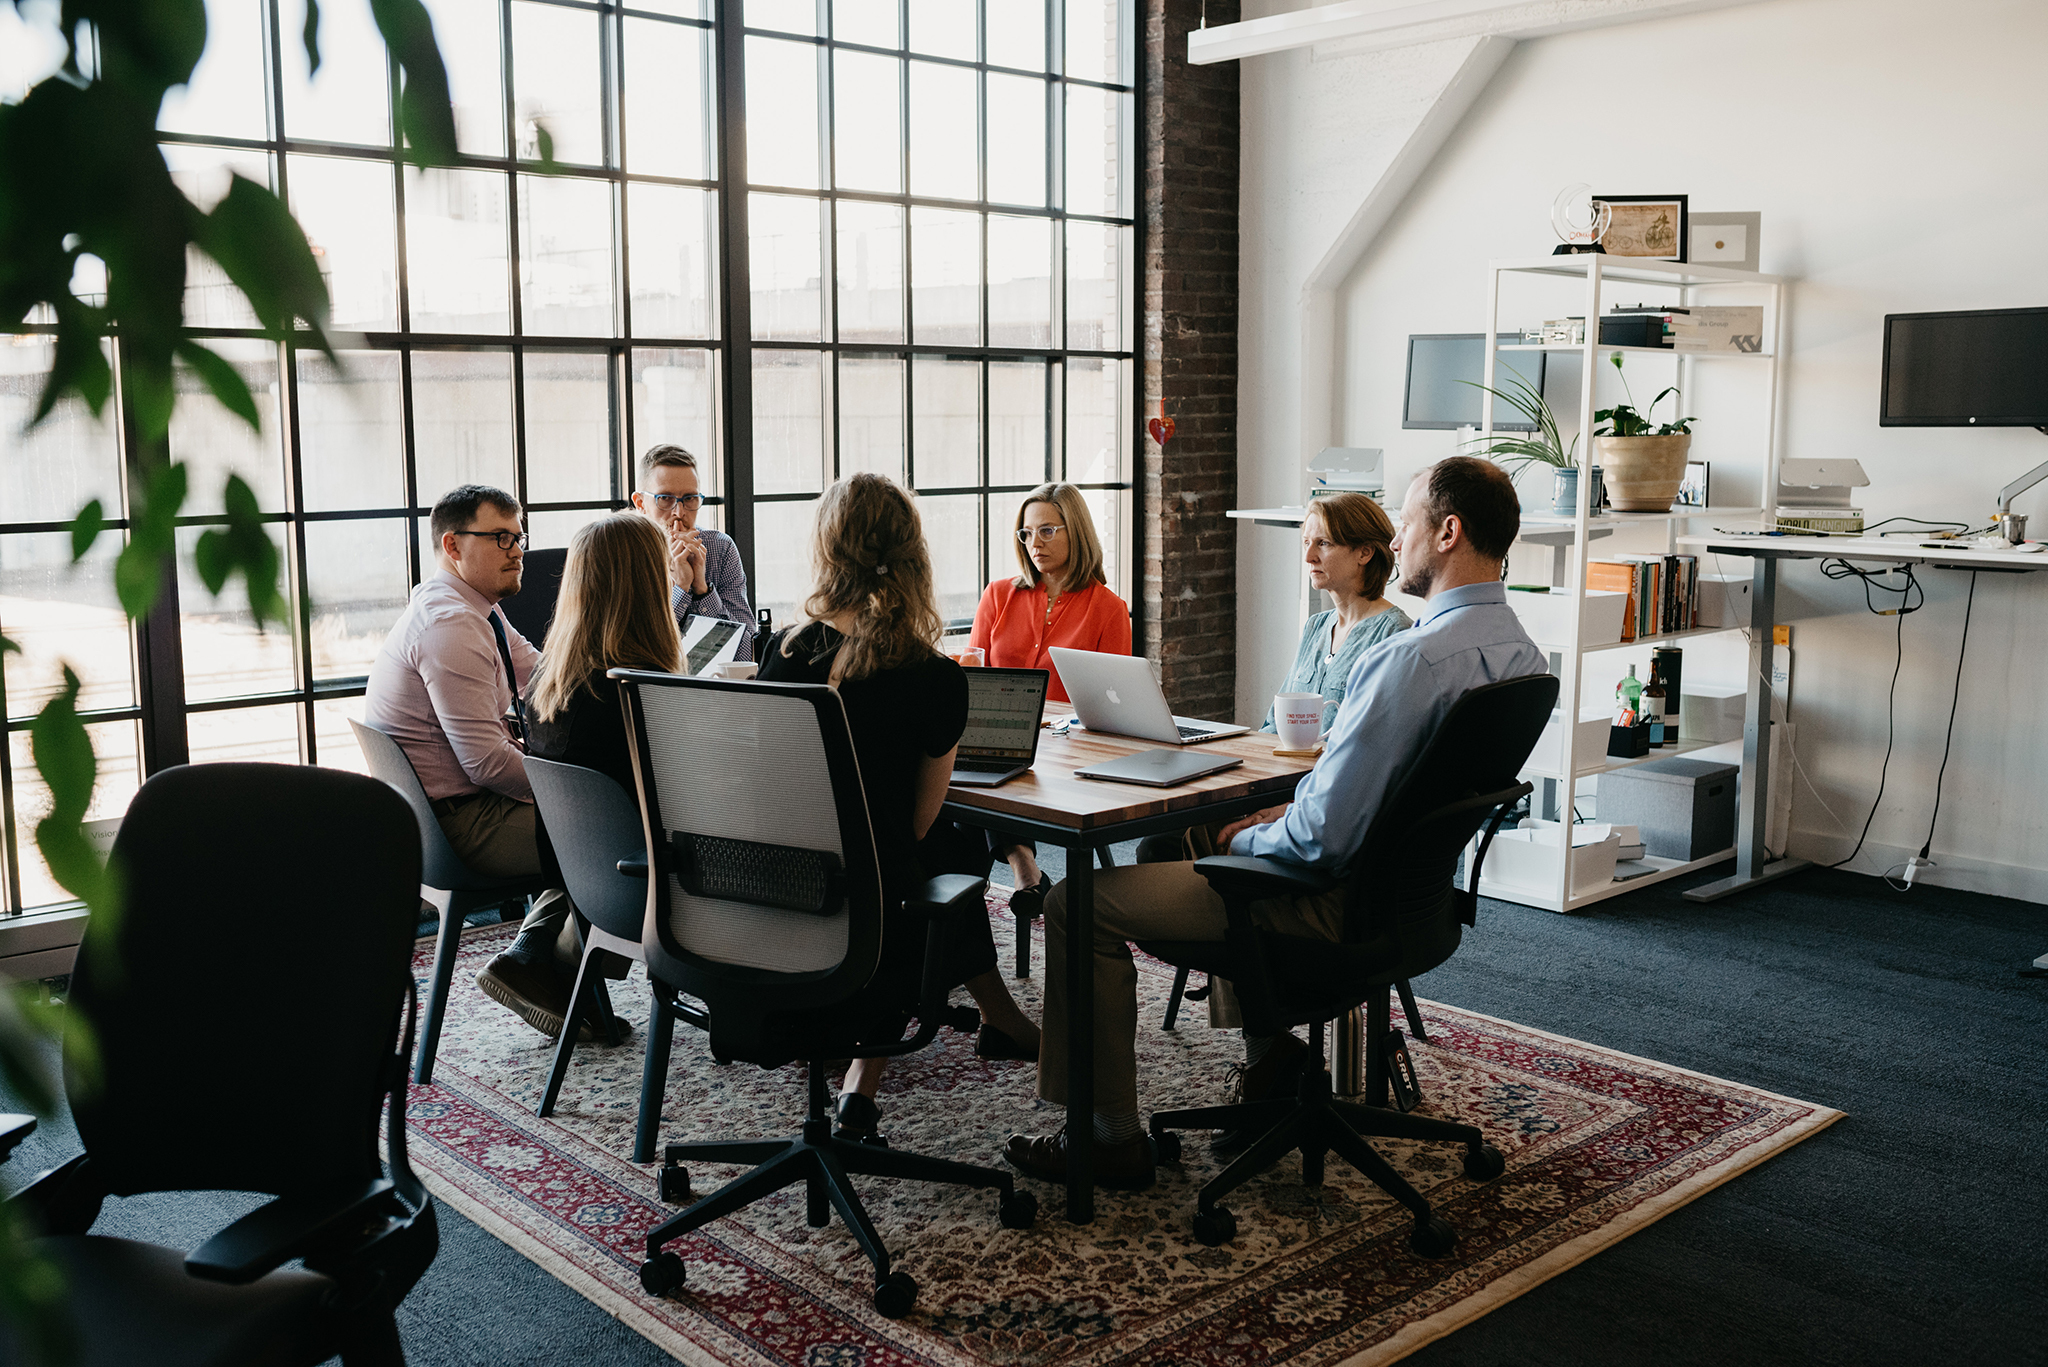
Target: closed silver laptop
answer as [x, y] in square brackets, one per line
[1117, 694]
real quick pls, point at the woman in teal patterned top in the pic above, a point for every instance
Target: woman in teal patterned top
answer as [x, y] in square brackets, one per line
[1347, 540]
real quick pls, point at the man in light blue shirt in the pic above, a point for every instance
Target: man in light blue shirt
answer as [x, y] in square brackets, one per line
[1458, 520]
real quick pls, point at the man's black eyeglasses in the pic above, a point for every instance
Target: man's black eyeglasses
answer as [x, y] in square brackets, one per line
[667, 503]
[505, 540]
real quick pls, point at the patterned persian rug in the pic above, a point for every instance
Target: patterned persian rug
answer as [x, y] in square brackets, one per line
[1598, 1145]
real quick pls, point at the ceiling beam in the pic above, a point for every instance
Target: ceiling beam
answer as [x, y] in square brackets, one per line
[1375, 24]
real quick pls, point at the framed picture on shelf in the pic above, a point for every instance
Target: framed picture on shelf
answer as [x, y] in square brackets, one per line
[1692, 490]
[1724, 240]
[1653, 226]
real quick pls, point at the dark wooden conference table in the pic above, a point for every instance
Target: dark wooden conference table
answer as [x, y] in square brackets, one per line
[1053, 807]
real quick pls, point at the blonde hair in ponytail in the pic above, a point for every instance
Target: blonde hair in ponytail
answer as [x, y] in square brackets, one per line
[869, 557]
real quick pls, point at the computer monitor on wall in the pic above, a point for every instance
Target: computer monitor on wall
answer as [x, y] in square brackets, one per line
[1981, 368]
[1444, 369]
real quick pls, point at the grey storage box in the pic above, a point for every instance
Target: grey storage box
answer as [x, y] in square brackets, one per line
[1684, 807]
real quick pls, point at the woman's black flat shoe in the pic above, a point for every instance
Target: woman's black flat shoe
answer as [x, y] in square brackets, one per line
[858, 1120]
[1028, 904]
[991, 1043]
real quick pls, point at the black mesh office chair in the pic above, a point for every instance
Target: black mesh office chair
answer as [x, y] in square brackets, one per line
[252, 1008]
[454, 889]
[594, 825]
[1404, 914]
[767, 906]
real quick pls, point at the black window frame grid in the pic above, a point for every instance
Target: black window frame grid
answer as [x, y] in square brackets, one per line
[160, 704]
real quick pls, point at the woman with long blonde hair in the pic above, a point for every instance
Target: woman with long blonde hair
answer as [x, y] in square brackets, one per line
[873, 633]
[613, 613]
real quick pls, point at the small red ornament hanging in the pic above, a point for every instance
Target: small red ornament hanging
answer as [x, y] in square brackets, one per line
[1161, 427]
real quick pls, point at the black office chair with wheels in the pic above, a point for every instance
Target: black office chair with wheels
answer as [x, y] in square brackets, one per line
[454, 889]
[297, 889]
[1404, 914]
[594, 825]
[768, 908]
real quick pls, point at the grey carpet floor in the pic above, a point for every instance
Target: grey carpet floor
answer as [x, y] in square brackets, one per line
[1909, 1232]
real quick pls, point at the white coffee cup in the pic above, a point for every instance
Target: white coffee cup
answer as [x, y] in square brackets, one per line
[1298, 717]
[736, 669]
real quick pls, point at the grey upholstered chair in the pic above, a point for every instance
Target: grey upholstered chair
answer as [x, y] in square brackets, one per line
[452, 886]
[594, 825]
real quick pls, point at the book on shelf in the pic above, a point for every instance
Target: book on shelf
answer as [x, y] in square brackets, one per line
[1738, 328]
[1663, 591]
[1836, 520]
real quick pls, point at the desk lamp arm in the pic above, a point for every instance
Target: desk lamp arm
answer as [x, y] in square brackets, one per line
[2023, 483]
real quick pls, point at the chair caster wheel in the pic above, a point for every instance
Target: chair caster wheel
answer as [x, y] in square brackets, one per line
[1215, 1227]
[895, 1294]
[1018, 1210]
[675, 1186]
[1166, 1146]
[1484, 1163]
[1432, 1238]
[661, 1274]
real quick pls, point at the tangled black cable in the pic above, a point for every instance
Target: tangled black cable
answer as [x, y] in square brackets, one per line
[1842, 569]
[1874, 579]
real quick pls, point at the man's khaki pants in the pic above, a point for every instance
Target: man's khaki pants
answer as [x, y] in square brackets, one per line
[1147, 902]
[499, 837]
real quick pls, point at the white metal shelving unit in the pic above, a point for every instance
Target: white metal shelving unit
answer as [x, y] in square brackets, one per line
[1571, 536]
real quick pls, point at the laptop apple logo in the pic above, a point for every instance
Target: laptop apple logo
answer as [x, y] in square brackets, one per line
[1114, 700]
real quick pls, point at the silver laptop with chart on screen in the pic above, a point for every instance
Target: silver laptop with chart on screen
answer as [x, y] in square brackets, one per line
[1117, 695]
[1003, 711]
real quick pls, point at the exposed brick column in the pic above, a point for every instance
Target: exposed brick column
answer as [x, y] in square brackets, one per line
[1190, 131]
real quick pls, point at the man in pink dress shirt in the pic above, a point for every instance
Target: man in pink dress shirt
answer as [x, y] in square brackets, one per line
[442, 687]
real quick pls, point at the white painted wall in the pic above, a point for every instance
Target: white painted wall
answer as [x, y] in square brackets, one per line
[1895, 151]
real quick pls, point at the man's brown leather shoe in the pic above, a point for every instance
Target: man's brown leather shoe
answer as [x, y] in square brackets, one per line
[534, 991]
[1120, 1167]
[536, 994]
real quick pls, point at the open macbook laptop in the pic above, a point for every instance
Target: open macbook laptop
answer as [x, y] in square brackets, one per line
[708, 642]
[1117, 694]
[1003, 711]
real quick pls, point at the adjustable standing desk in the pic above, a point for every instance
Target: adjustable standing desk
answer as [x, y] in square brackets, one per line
[1753, 864]
[1049, 804]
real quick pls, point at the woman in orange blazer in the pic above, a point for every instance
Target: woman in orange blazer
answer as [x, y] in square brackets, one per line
[1059, 598]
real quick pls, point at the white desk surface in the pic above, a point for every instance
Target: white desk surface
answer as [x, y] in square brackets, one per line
[1892, 549]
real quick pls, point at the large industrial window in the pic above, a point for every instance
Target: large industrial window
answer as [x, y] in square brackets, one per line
[798, 237]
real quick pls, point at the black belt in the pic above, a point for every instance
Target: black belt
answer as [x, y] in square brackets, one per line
[449, 806]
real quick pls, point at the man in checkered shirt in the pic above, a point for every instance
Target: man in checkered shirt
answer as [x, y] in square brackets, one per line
[709, 579]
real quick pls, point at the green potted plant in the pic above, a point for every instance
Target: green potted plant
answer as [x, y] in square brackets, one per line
[1542, 447]
[1644, 461]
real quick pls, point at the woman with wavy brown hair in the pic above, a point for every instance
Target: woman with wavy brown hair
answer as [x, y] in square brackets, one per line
[873, 634]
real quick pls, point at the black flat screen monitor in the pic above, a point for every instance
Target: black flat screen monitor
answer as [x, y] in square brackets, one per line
[1983, 368]
[1443, 369]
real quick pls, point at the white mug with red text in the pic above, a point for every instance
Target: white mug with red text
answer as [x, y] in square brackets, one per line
[1298, 717]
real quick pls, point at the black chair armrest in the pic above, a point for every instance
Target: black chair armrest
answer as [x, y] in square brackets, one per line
[14, 1129]
[948, 895]
[1248, 878]
[290, 1227]
[633, 868]
[65, 1199]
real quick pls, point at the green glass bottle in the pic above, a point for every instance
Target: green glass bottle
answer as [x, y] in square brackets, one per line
[1628, 694]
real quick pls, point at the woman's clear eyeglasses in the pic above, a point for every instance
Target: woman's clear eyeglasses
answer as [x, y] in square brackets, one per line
[1027, 535]
[669, 503]
[506, 540]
